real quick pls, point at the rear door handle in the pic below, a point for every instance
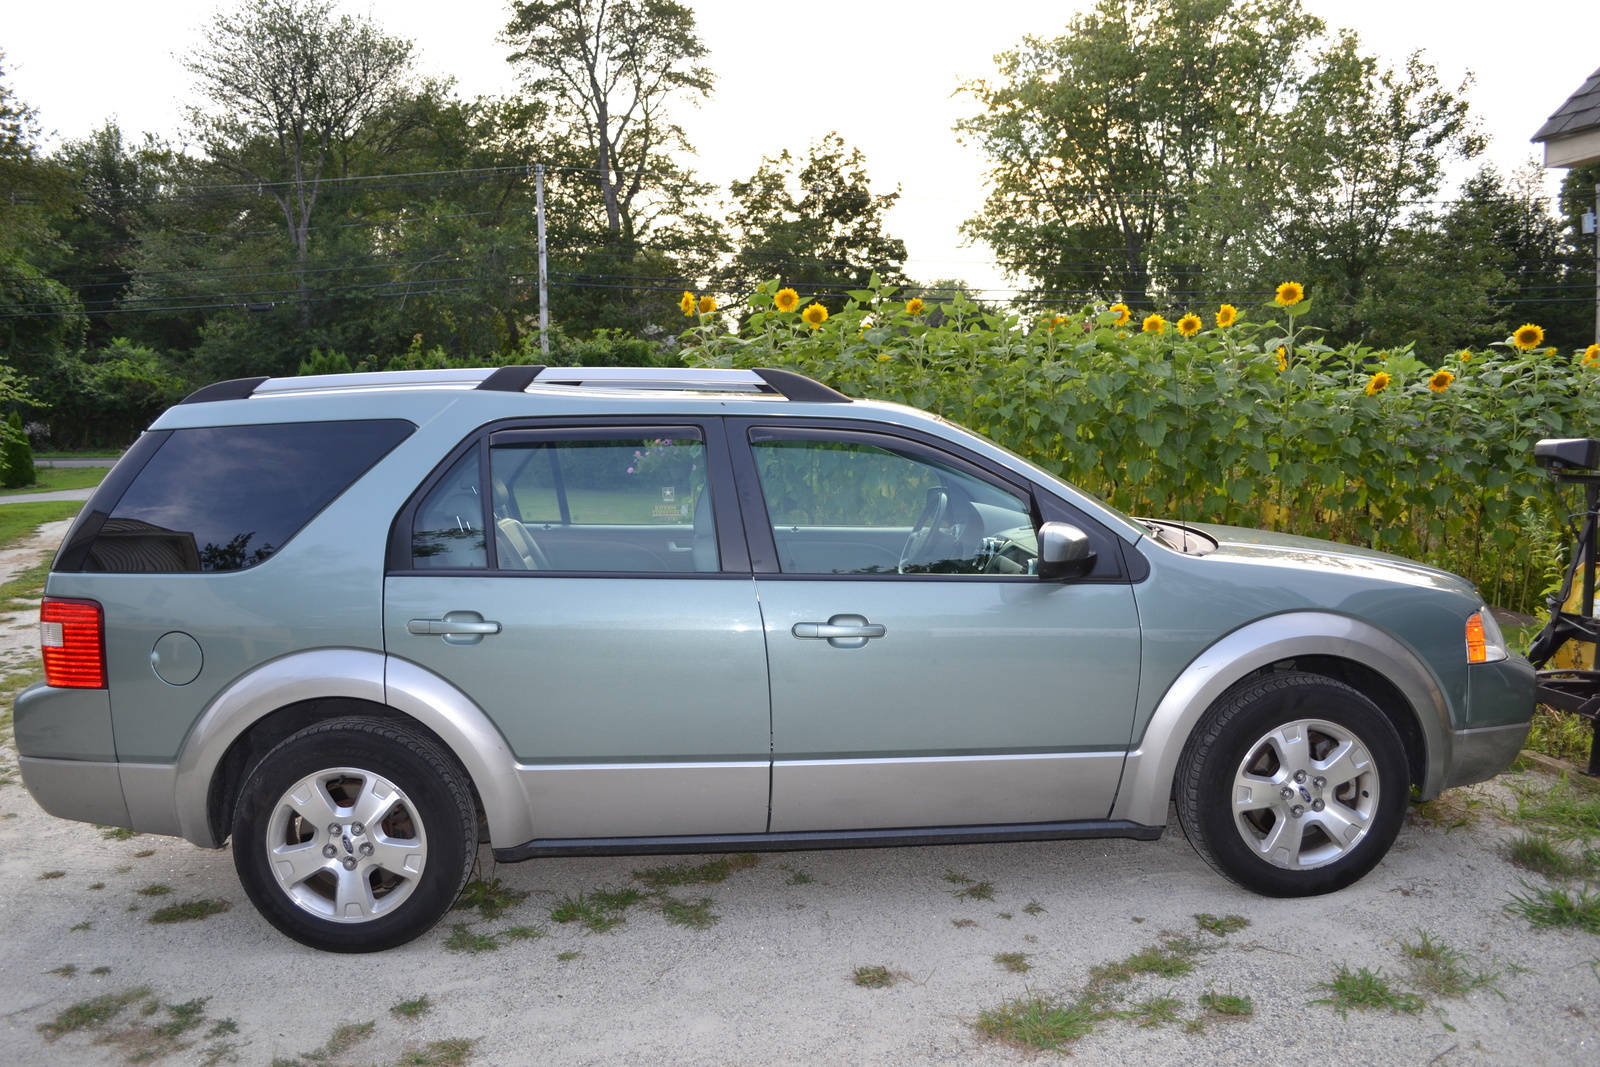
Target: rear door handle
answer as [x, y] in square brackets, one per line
[457, 627]
[841, 631]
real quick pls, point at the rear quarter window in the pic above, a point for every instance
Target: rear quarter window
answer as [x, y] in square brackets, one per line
[225, 498]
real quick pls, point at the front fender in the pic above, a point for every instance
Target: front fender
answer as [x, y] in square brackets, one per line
[1148, 775]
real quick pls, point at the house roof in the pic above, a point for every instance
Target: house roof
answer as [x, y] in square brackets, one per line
[1581, 112]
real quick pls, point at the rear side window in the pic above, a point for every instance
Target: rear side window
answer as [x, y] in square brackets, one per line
[226, 498]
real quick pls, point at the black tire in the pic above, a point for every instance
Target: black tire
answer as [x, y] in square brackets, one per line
[407, 835]
[1330, 748]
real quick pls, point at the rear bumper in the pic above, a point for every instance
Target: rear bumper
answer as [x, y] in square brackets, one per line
[85, 790]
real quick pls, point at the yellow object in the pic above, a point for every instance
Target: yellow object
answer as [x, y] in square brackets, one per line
[1574, 655]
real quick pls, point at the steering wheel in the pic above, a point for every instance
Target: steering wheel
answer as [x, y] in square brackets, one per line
[923, 530]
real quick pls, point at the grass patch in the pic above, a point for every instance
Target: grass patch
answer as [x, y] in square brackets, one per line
[1443, 971]
[157, 890]
[796, 876]
[1153, 1013]
[492, 899]
[696, 915]
[876, 976]
[523, 933]
[118, 833]
[1563, 736]
[1560, 811]
[451, 1052]
[411, 1009]
[709, 873]
[1451, 810]
[92, 1013]
[974, 891]
[1173, 960]
[1039, 1021]
[22, 591]
[1015, 962]
[19, 521]
[56, 479]
[1223, 926]
[189, 911]
[599, 911]
[1365, 990]
[66, 970]
[1227, 1005]
[97, 885]
[99, 970]
[1556, 907]
[48, 876]
[463, 939]
[1033, 907]
[344, 1038]
[85, 925]
[568, 955]
[961, 924]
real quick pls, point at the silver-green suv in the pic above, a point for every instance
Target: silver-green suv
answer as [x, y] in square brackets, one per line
[355, 622]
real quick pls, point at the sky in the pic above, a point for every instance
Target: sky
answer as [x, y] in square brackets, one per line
[885, 76]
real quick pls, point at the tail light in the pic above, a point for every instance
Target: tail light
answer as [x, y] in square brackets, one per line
[72, 637]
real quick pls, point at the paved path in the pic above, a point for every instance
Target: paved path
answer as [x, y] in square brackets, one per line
[59, 494]
[86, 461]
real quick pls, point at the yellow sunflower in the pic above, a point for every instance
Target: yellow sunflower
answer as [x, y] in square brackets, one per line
[687, 303]
[1290, 294]
[1465, 355]
[1226, 314]
[1378, 383]
[1283, 359]
[1528, 337]
[786, 300]
[707, 305]
[1441, 381]
[1189, 325]
[1122, 314]
[914, 306]
[1591, 356]
[886, 357]
[1052, 321]
[815, 315]
[1155, 324]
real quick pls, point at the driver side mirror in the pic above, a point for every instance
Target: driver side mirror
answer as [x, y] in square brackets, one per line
[1064, 552]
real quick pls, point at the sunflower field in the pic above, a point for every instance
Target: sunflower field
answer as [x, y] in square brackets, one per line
[1228, 415]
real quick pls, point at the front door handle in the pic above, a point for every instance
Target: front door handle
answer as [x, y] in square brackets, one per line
[841, 631]
[457, 627]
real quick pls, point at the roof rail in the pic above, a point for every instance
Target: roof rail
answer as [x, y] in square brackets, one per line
[232, 389]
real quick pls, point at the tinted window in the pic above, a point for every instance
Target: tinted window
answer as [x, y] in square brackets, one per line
[225, 498]
[448, 530]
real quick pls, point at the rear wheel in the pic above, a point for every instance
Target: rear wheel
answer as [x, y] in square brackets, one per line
[354, 835]
[1293, 785]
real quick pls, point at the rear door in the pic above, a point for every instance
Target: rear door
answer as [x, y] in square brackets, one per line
[588, 587]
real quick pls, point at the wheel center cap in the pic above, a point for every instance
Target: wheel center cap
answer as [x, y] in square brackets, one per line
[349, 846]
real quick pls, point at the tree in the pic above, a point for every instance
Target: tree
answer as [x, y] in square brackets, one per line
[814, 223]
[291, 90]
[610, 68]
[1578, 194]
[16, 456]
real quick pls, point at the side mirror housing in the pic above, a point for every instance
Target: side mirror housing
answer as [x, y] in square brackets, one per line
[1064, 552]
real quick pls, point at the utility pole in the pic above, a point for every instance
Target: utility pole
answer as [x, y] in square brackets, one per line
[1597, 264]
[544, 270]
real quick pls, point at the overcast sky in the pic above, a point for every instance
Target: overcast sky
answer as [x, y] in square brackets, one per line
[880, 74]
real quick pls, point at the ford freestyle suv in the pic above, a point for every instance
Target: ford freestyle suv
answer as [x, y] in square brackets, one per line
[359, 623]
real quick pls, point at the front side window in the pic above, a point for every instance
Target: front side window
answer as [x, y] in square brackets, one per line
[602, 500]
[858, 506]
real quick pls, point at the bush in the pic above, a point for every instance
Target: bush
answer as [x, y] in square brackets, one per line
[1252, 424]
[16, 456]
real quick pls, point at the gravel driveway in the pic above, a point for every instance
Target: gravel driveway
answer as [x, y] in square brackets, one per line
[764, 972]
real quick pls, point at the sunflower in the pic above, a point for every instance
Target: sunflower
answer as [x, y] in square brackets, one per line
[1378, 383]
[814, 315]
[1226, 314]
[1290, 294]
[1052, 321]
[1283, 359]
[1465, 355]
[1122, 314]
[886, 357]
[1189, 325]
[687, 303]
[707, 305]
[1528, 337]
[1591, 356]
[914, 306]
[1441, 381]
[786, 300]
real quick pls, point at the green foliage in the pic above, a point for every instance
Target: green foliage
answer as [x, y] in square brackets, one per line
[1365, 990]
[189, 911]
[1219, 427]
[491, 898]
[1558, 907]
[1560, 735]
[875, 976]
[320, 362]
[16, 455]
[708, 873]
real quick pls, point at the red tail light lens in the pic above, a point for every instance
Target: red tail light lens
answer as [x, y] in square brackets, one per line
[72, 639]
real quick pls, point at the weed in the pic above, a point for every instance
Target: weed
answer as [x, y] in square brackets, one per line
[962, 924]
[1443, 971]
[796, 876]
[51, 875]
[490, 898]
[99, 970]
[66, 970]
[1173, 961]
[876, 976]
[1552, 906]
[97, 885]
[1222, 927]
[523, 933]
[1015, 962]
[189, 911]
[85, 925]
[601, 910]
[344, 1038]
[1560, 810]
[91, 1013]
[956, 879]
[411, 1009]
[567, 955]
[9, 815]
[451, 1052]
[694, 914]
[1226, 1004]
[1155, 1012]
[1033, 907]
[1366, 990]
[156, 890]
[709, 873]
[223, 1027]
[123, 869]
[118, 833]
[1563, 736]
[1453, 809]
[975, 891]
[462, 939]
[1039, 1020]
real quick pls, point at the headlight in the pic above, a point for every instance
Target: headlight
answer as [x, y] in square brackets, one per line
[1485, 643]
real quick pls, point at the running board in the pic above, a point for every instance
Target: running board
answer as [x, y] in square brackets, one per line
[805, 840]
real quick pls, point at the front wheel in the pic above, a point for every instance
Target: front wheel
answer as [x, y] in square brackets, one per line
[354, 835]
[1292, 785]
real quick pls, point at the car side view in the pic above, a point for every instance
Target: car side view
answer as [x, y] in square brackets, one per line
[359, 623]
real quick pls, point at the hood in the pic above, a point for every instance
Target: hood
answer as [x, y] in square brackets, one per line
[1266, 546]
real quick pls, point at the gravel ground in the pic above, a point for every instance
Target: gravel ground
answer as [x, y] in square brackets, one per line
[770, 981]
